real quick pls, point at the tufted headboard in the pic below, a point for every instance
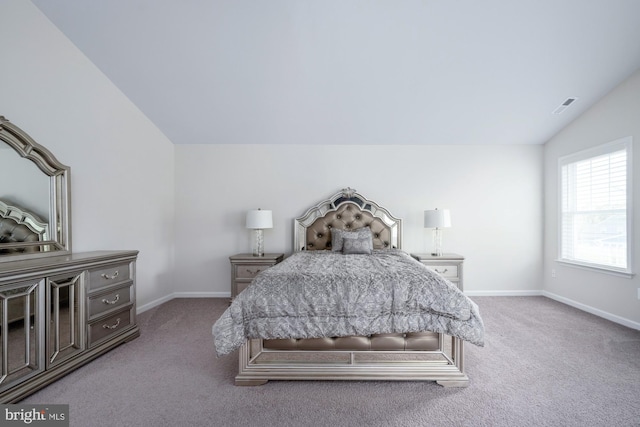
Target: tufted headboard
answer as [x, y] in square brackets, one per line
[20, 226]
[346, 210]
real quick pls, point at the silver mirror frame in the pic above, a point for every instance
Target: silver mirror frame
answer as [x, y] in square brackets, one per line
[59, 193]
[347, 195]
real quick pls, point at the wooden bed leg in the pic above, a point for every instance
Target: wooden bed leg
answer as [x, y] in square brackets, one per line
[454, 383]
[250, 382]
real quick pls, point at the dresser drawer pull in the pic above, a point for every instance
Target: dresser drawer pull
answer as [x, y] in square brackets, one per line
[115, 300]
[440, 272]
[115, 325]
[253, 272]
[106, 276]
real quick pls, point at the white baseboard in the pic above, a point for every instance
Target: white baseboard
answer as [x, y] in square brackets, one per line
[530, 293]
[600, 313]
[167, 298]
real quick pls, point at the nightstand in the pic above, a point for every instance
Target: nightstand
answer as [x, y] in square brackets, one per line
[244, 267]
[448, 266]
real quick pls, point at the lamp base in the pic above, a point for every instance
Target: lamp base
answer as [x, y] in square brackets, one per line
[258, 243]
[437, 242]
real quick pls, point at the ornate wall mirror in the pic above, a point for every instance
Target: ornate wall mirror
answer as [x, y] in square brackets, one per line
[34, 198]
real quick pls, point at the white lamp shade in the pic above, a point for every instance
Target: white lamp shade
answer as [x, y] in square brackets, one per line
[437, 218]
[259, 219]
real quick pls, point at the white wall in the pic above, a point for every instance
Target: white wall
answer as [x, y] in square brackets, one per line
[494, 193]
[122, 166]
[615, 116]
[123, 179]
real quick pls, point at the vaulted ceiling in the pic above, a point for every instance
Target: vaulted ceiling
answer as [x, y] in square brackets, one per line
[357, 71]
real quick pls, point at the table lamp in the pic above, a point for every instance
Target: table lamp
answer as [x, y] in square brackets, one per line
[437, 219]
[258, 220]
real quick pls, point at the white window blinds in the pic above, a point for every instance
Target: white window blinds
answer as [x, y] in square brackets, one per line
[595, 197]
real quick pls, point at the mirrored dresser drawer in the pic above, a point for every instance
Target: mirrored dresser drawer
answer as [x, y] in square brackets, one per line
[109, 276]
[101, 303]
[109, 326]
[447, 271]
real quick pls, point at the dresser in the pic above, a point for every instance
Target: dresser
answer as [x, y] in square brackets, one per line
[60, 312]
[448, 266]
[244, 267]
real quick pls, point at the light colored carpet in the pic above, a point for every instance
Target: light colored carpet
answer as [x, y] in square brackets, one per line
[544, 364]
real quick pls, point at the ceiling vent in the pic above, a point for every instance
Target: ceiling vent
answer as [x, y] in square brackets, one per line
[564, 105]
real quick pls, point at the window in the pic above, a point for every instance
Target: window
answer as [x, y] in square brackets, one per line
[595, 204]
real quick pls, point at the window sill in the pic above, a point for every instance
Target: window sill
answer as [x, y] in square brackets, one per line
[597, 269]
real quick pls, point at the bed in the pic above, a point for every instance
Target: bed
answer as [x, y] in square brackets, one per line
[20, 228]
[349, 304]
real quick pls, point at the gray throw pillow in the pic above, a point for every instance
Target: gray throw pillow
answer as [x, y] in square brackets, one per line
[337, 236]
[357, 245]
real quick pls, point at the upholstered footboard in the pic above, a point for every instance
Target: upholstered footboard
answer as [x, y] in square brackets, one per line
[426, 356]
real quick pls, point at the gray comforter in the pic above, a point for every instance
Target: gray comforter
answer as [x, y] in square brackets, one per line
[328, 294]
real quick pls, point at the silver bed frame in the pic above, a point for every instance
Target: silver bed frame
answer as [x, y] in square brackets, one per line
[258, 363]
[24, 217]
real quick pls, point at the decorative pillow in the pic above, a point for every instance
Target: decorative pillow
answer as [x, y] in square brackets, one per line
[336, 240]
[337, 236]
[357, 245]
